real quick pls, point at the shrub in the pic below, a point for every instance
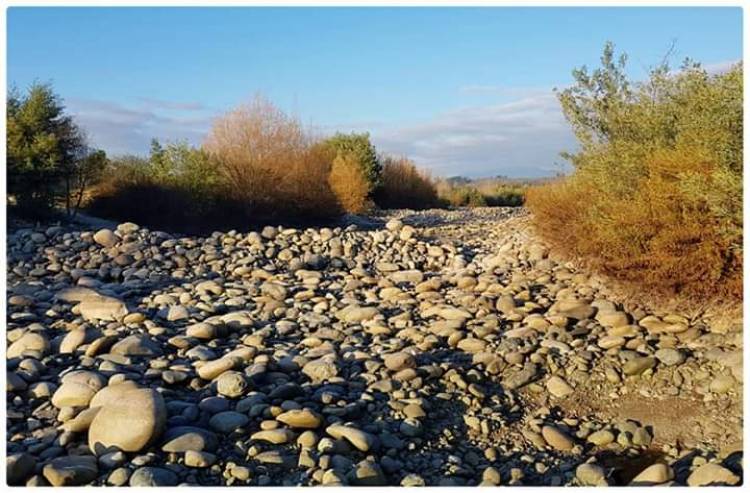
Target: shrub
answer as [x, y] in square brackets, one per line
[404, 186]
[270, 163]
[495, 192]
[349, 184]
[656, 195]
[361, 150]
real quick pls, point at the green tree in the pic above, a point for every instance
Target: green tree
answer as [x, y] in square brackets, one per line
[361, 150]
[43, 145]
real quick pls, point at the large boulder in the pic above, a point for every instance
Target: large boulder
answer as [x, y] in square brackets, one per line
[130, 423]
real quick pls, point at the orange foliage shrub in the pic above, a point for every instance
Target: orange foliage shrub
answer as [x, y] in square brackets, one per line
[349, 184]
[664, 236]
[405, 186]
[270, 162]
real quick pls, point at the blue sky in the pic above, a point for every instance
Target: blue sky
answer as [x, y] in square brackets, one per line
[462, 91]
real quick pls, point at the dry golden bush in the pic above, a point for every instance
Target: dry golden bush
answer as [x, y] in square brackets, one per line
[663, 236]
[349, 184]
[405, 186]
[656, 196]
[270, 162]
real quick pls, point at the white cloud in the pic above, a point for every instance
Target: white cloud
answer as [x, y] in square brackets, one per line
[522, 138]
[128, 129]
[720, 67]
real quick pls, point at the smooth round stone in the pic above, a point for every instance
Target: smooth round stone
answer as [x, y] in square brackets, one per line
[399, 361]
[214, 368]
[105, 238]
[670, 356]
[78, 389]
[231, 384]
[559, 387]
[136, 345]
[198, 459]
[153, 476]
[19, 467]
[129, 423]
[601, 437]
[556, 438]
[591, 475]
[227, 421]
[491, 476]
[413, 411]
[653, 475]
[411, 427]
[722, 384]
[30, 341]
[112, 393]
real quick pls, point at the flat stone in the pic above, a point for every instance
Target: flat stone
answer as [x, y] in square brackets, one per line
[472, 345]
[638, 365]
[362, 440]
[198, 459]
[712, 475]
[301, 418]
[136, 345]
[277, 436]
[559, 387]
[153, 476]
[102, 308]
[72, 470]
[214, 368]
[556, 438]
[321, 369]
[184, 438]
[228, 421]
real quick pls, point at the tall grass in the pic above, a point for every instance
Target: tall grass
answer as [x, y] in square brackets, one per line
[656, 195]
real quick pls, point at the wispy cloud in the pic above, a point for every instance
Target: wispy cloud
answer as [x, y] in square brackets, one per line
[124, 129]
[720, 67]
[522, 138]
[174, 105]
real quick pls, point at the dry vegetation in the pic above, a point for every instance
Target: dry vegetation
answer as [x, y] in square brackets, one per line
[349, 185]
[258, 164]
[499, 192]
[656, 196]
[405, 186]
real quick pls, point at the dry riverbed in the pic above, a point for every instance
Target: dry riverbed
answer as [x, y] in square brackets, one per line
[411, 348]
